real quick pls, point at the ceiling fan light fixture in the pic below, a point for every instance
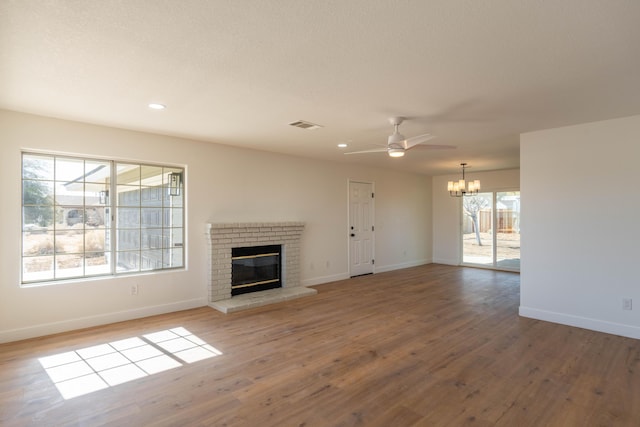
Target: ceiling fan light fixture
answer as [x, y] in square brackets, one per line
[397, 144]
[395, 151]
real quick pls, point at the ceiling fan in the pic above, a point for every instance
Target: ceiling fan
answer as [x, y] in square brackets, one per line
[397, 144]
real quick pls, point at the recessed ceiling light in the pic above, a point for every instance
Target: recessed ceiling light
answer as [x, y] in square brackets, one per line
[342, 145]
[155, 106]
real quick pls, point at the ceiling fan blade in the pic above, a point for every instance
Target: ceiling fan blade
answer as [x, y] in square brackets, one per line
[433, 147]
[375, 150]
[410, 142]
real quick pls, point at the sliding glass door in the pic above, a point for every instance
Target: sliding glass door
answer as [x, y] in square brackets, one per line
[477, 223]
[507, 230]
[491, 230]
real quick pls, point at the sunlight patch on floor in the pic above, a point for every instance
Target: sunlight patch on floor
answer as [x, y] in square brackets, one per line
[90, 369]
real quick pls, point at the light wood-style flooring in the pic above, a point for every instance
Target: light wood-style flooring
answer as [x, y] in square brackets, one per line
[432, 345]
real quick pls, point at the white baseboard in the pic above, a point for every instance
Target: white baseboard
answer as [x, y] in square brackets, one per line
[446, 261]
[581, 322]
[101, 319]
[391, 267]
[325, 279]
[378, 269]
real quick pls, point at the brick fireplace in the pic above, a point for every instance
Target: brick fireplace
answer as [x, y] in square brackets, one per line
[223, 237]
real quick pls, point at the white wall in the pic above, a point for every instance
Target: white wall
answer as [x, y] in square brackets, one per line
[447, 210]
[580, 225]
[267, 187]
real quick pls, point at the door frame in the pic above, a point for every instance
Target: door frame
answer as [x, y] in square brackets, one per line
[373, 221]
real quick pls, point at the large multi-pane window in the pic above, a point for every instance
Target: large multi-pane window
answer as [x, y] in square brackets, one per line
[88, 217]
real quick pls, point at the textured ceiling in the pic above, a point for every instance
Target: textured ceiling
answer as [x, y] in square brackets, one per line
[475, 74]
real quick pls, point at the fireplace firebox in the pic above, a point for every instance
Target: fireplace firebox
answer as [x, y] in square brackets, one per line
[255, 268]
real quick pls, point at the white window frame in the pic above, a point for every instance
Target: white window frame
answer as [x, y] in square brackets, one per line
[158, 246]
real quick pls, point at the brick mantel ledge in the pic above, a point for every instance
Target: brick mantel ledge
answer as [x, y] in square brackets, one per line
[227, 225]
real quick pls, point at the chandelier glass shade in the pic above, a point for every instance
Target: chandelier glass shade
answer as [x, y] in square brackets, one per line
[462, 187]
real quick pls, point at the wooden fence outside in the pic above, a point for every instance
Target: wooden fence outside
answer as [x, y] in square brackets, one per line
[507, 222]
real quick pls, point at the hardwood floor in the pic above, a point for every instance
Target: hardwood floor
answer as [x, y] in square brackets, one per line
[427, 346]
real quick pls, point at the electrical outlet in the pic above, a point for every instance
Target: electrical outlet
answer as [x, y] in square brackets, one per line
[627, 304]
[134, 289]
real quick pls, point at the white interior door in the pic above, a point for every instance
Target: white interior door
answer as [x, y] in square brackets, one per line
[361, 229]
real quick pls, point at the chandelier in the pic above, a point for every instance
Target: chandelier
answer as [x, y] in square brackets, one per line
[461, 188]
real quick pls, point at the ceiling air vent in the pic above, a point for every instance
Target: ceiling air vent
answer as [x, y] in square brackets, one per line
[305, 125]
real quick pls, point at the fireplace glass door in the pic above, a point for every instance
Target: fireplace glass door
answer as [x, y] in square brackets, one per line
[255, 268]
